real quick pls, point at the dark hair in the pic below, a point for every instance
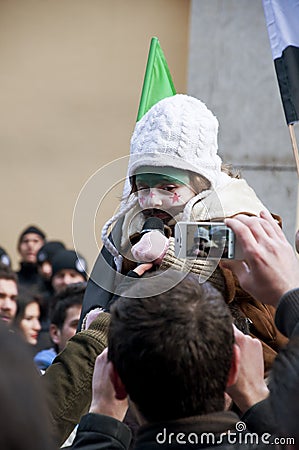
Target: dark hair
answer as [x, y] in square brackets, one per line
[7, 273]
[284, 388]
[72, 295]
[172, 351]
[23, 413]
[24, 299]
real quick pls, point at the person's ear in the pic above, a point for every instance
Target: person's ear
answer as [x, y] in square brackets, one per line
[235, 366]
[120, 390]
[55, 333]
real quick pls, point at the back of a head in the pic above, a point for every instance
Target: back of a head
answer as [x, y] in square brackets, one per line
[23, 414]
[284, 389]
[172, 351]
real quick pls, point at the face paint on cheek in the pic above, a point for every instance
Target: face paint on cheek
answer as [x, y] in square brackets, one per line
[144, 198]
[181, 196]
[141, 200]
[176, 197]
[171, 202]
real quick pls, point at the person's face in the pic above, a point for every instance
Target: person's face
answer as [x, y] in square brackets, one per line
[45, 270]
[30, 324]
[65, 277]
[8, 300]
[69, 328]
[162, 194]
[29, 246]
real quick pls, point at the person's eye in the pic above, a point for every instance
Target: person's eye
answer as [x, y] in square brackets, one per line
[168, 187]
[142, 187]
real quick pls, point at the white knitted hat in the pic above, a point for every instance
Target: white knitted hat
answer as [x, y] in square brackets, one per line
[178, 131]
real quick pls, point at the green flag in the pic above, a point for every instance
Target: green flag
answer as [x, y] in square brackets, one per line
[157, 80]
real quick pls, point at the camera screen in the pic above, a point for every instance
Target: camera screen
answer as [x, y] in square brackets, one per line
[211, 240]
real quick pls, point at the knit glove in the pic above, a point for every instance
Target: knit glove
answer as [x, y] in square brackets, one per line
[90, 317]
[151, 247]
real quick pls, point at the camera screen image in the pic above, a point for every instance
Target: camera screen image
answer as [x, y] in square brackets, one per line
[208, 241]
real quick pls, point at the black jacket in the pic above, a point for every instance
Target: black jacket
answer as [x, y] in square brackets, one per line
[213, 431]
[103, 278]
[28, 277]
[287, 313]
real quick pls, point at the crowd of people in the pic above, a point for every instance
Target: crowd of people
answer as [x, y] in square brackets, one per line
[37, 300]
[154, 351]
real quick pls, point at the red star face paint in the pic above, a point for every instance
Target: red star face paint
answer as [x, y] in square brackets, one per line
[176, 197]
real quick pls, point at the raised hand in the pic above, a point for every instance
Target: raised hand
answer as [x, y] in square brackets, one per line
[270, 266]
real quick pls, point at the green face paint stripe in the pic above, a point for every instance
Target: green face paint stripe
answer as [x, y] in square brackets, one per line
[152, 176]
[151, 180]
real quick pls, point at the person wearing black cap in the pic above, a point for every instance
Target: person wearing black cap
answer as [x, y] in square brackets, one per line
[44, 266]
[4, 257]
[45, 255]
[68, 267]
[29, 243]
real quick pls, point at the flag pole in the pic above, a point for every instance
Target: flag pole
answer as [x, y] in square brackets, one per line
[294, 145]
